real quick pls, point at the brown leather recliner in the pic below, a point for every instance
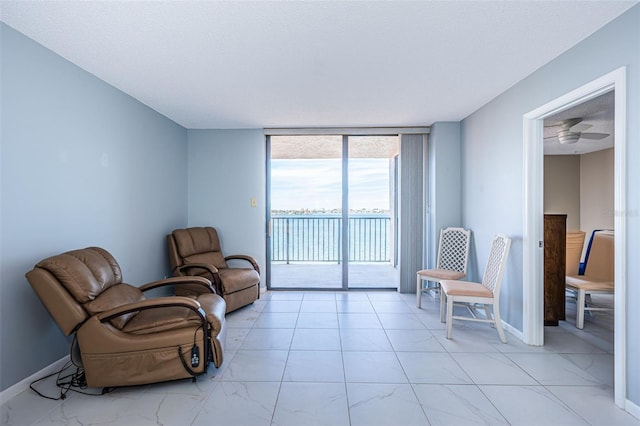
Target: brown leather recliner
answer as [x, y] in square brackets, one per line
[125, 338]
[197, 251]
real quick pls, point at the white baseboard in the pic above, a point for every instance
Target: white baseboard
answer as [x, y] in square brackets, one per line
[23, 385]
[511, 329]
[632, 408]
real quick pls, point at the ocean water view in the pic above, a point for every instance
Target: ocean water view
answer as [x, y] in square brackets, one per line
[317, 237]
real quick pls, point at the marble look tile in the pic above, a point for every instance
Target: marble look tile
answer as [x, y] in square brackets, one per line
[530, 405]
[239, 403]
[414, 341]
[256, 366]
[359, 320]
[431, 320]
[457, 405]
[357, 306]
[594, 404]
[401, 322]
[515, 345]
[384, 404]
[317, 320]
[467, 339]
[364, 340]
[431, 367]
[386, 373]
[373, 367]
[318, 306]
[283, 306]
[277, 320]
[286, 295]
[567, 343]
[553, 369]
[268, 338]
[384, 296]
[235, 338]
[311, 404]
[314, 366]
[321, 339]
[319, 295]
[142, 408]
[240, 319]
[492, 369]
[259, 304]
[400, 307]
[352, 295]
[27, 407]
[600, 366]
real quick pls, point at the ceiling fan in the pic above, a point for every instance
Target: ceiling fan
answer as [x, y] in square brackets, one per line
[567, 134]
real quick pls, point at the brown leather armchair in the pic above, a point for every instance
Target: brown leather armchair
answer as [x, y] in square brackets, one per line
[197, 251]
[125, 338]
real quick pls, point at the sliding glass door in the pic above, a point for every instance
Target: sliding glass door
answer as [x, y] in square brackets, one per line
[305, 231]
[372, 201]
[331, 212]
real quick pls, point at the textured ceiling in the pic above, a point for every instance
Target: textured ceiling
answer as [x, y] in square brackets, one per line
[241, 64]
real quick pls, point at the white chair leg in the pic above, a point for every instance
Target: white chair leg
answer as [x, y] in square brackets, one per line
[498, 322]
[443, 301]
[449, 316]
[488, 314]
[580, 309]
[419, 292]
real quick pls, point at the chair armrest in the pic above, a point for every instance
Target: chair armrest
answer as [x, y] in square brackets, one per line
[173, 281]
[249, 259]
[158, 302]
[206, 266]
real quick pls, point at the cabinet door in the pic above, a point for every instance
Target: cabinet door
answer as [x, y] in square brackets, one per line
[555, 228]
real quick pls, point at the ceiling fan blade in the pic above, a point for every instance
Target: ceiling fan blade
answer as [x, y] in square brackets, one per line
[581, 127]
[595, 136]
[567, 123]
[551, 137]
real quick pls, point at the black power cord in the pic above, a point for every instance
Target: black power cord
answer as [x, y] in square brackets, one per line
[74, 382]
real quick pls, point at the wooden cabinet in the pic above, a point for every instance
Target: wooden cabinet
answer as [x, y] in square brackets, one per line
[555, 231]
[555, 255]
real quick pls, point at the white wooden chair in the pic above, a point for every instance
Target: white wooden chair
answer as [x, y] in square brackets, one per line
[598, 275]
[451, 264]
[485, 293]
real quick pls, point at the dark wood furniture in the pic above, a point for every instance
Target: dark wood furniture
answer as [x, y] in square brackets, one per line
[555, 229]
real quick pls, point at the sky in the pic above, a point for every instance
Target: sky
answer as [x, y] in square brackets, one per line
[316, 184]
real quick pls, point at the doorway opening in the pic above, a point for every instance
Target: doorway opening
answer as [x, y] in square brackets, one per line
[533, 208]
[332, 205]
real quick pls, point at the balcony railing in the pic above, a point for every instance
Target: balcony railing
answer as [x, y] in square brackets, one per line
[318, 238]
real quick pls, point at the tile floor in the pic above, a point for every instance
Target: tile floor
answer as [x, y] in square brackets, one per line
[361, 358]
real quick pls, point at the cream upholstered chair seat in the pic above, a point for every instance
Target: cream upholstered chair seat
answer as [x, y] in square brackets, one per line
[451, 264]
[486, 293]
[467, 288]
[598, 275]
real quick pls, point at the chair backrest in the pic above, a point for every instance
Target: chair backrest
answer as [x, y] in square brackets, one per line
[453, 250]
[78, 284]
[195, 245]
[601, 261]
[496, 264]
[575, 244]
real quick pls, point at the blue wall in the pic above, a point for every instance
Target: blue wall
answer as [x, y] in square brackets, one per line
[492, 163]
[226, 170]
[445, 199]
[81, 164]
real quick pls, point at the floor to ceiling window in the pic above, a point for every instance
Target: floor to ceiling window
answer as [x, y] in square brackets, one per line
[331, 211]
